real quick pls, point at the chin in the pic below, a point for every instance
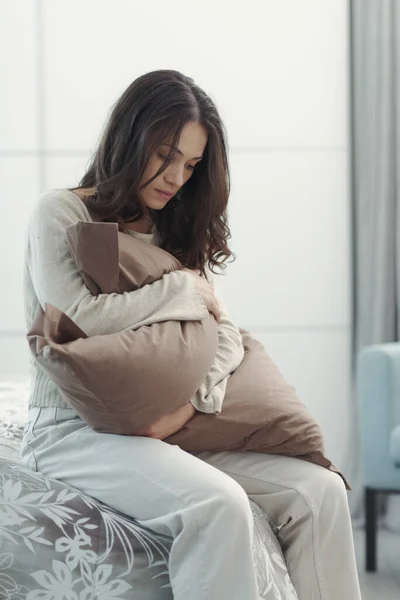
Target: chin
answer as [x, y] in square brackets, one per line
[157, 204]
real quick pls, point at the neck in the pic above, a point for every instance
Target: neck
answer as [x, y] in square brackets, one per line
[143, 225]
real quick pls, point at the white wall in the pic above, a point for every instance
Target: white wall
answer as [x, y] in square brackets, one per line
[278, 73]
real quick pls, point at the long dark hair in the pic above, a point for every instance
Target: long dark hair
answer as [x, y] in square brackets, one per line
[193, 225]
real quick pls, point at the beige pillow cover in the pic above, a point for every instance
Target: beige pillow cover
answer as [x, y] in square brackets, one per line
[112, 381]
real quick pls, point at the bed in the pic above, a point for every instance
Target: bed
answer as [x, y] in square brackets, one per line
[57, 542]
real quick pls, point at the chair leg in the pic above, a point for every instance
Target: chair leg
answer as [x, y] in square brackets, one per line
[371, 520]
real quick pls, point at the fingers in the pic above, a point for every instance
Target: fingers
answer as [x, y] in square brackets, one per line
[217, 315]
[207, 292]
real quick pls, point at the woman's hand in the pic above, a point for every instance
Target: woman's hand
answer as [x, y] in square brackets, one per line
[207, 293]
[170, 424]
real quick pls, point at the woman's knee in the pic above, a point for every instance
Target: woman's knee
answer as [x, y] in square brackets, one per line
[230, 502]
[326, 490]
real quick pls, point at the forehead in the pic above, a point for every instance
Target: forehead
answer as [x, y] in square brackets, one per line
[192, 141]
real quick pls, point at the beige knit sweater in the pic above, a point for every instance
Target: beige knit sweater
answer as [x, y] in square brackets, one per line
[51, 276]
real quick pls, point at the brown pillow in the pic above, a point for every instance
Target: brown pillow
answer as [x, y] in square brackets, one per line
[111, 380]
[261, 413]
[111, 261]
[123, 382]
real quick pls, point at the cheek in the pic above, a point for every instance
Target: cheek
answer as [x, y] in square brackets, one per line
[150, 170]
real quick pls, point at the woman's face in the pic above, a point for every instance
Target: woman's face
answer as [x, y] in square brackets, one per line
[186, 155]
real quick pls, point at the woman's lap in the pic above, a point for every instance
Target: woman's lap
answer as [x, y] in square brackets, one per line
[167, 489]
[138, 476]
[60, 444]
[145, 475]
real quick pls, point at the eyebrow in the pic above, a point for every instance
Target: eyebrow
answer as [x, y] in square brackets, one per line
[181, 153]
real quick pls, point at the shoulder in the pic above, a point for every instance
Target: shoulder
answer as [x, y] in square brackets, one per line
[58, 205]
[59, 202]
[210, 276]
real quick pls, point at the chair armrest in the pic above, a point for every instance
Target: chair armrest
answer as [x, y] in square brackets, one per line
[378, 379]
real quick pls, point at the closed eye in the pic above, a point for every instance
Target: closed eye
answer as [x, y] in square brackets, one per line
[169, 159]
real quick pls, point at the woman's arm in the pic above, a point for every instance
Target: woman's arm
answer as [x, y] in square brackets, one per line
[210, 396]
[230, 353]
[170, 424]
[56, 279]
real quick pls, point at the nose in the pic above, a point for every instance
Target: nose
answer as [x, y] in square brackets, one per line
[174, 176]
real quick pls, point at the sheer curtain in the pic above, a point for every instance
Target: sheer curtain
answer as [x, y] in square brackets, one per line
[375, 43]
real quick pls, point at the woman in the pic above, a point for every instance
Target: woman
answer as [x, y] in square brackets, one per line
[161, 172]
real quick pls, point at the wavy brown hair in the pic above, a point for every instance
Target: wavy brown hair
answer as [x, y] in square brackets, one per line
[193, 225]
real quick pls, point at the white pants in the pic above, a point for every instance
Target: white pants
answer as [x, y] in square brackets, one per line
[202, 502]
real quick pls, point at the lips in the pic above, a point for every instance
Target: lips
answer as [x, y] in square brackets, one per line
[166, 194]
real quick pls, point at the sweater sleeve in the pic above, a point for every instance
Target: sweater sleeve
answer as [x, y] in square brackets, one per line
[229, 355]
[56, 279]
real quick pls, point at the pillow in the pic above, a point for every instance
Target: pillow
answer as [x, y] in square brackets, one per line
[112, 261]
[124, 382]
[261, 413]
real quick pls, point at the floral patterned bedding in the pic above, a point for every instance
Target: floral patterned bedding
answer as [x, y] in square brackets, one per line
[57, 543]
